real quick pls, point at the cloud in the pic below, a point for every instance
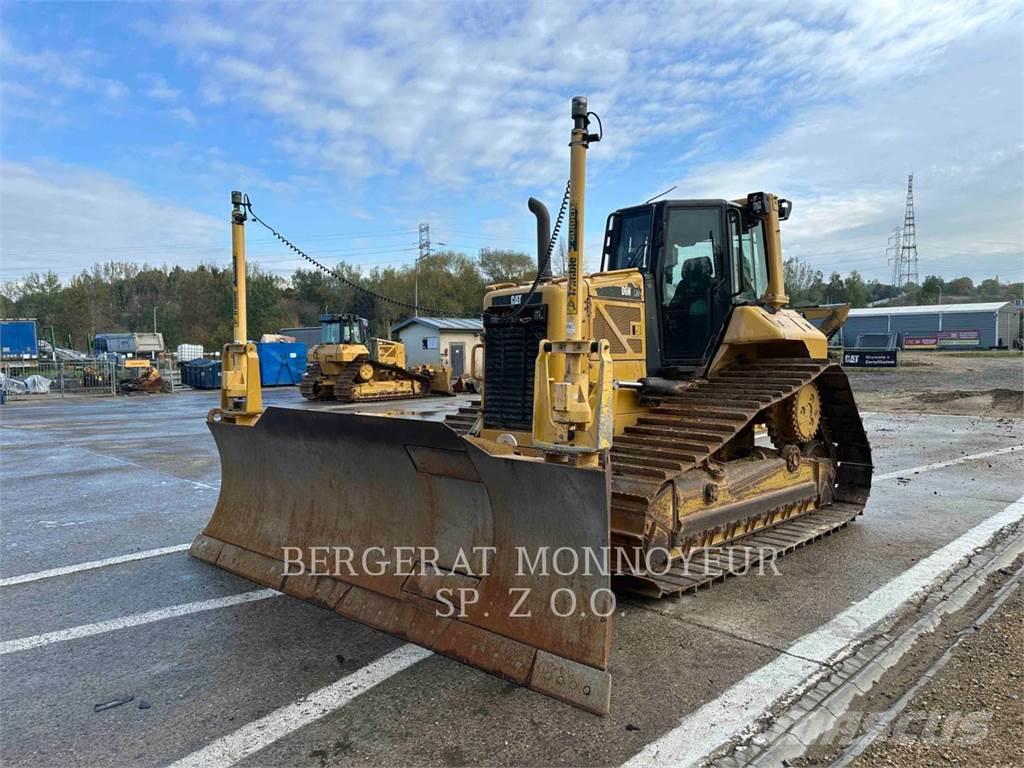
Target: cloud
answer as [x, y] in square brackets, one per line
[213, 170]
[453, 110]
[454, 94]
[64, 68]
[157, 87]
[469, 95]
[66, 218]
[184, 114]
[114, 89]
[955, 125]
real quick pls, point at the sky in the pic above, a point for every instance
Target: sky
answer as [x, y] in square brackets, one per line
[124, 127]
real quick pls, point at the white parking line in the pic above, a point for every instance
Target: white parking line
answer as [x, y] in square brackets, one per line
[11, 580]
[949, 463]
[196, 483]
[134, 620]
[66, 569]
[738, 708]
[254, 736]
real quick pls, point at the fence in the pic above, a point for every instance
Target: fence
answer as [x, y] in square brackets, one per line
[66, 378]
[171, 374]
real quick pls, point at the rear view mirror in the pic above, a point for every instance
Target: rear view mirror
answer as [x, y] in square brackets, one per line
[671, 257]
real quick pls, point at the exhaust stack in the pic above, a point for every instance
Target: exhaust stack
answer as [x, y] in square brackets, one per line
[538, 209]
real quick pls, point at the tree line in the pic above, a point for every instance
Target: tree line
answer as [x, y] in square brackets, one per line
[808, 286]
[194, 305]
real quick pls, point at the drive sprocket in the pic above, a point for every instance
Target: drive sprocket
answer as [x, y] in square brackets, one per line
[796, 419]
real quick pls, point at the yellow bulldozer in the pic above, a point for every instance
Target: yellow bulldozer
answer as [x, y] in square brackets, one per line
[613, 450]
[827, 318]
[351, 366]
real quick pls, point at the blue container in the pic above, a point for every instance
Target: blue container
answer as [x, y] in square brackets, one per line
[188, 373]
[18, 340]
[209, 375]
[201, 374]
[281, 364]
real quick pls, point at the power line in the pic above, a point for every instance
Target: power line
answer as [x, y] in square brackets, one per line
[399, 260]
[207, 246]
[351, 283]
[202, 245]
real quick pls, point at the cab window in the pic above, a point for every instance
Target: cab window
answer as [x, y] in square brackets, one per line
[353, 334]
[632, 243]
[687, 279]
[750, 270]
[690, 252]
[330, 333]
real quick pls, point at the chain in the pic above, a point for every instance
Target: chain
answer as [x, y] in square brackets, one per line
[362, 289]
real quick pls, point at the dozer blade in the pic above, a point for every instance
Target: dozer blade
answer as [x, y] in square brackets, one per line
[385, 520]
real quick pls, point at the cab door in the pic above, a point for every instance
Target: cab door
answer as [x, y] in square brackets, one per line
[692, 291]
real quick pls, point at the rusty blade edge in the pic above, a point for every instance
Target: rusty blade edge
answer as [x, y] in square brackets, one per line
[578, 684]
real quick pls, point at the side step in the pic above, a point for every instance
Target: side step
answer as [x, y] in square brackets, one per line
[704, 567]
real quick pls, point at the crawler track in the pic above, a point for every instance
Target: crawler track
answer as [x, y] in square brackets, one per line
[702, 568]
[309, 388]
[345, 386]
[682, 432]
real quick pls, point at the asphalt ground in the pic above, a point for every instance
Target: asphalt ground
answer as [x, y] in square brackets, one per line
[87, 480]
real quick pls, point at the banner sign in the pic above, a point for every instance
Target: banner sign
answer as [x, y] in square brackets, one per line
[871, 358]
[959, 338]
[920, 342]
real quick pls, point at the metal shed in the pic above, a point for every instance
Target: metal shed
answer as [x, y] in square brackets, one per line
[940, 326]
[437, 340]
[308, 335]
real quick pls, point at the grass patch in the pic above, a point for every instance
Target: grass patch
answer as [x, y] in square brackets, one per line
[1007, 353]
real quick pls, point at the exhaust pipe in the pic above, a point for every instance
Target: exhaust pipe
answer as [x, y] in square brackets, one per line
[543, 235]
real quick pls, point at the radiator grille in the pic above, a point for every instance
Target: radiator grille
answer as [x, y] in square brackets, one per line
[510, 349]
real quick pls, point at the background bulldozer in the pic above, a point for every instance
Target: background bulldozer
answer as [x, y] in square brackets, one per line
[614, 445]
[827, 318]
[351, 366]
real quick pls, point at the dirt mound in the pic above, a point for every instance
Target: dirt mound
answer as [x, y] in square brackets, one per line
[1008, 398]
[1008, 401]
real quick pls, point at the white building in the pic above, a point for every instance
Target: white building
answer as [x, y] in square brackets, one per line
[439, 340]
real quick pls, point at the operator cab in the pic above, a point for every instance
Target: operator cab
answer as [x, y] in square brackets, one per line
[343, 329]
[699, 258]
